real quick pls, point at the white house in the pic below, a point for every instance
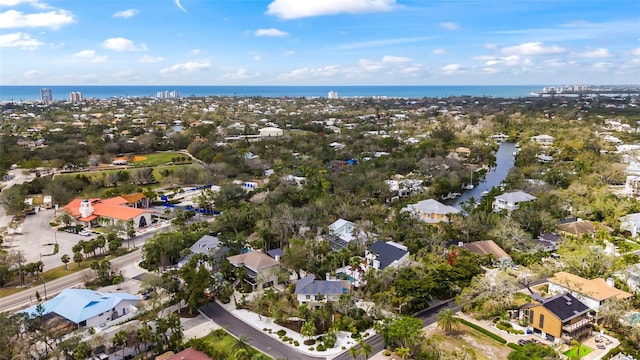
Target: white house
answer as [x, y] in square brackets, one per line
[510, 201]
[309, 290]
[343, 229]
[271, 132]
[631, 223]
[381, 255]
[544, 140]
[431, 211]
[209, 246]
[592, 293]
[88, 308]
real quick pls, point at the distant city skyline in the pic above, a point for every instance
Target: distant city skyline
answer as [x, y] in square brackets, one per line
[319, 42]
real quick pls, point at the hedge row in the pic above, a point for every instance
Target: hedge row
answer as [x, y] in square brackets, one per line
[495, 337]
[514, 346]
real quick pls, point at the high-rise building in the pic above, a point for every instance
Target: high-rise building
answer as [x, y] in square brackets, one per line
[333, 95]
[75, 97]
[46, 95]
[167, 94]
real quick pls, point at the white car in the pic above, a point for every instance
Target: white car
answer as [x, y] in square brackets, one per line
[85, 233]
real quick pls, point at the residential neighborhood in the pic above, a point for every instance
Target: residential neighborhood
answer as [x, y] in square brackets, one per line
[312, 228]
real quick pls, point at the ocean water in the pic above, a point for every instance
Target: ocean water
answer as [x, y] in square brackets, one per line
[26, 93]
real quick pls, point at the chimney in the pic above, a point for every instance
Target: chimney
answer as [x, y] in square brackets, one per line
[610, 282]
[460, 243]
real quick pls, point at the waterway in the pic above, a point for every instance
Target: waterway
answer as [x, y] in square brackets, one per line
[505, 159]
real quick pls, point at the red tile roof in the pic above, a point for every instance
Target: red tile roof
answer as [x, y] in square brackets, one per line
[114, 208]
[189, 354]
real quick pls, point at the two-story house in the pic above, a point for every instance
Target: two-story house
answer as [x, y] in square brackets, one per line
[544, 140]
[309, 290]
[261, 270]
[559, 318]
[631, 223]
[431, 211]
[209, 246]
[381, 255]
[592, 292]
[511, 200]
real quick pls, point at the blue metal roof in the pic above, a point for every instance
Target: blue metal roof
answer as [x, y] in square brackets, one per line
[78, 305]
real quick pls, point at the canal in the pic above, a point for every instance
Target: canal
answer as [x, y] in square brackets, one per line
[505, 159]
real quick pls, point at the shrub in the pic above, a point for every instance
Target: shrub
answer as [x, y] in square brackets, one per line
[506, 326]
[356, 335]
[514, 346]
[311, 348]
[309, 342]
[386, 352]
[321, 348]
[495, 337]
[281, 332]
[296, 343]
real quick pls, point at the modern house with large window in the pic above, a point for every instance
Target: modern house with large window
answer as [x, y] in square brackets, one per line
[560, 318]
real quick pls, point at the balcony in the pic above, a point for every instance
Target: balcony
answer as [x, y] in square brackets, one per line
[575, 326]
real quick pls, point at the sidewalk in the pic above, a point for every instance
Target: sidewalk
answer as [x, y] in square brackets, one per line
[262, 322]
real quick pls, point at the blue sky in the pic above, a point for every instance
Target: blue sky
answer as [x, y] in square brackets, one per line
[319, 42]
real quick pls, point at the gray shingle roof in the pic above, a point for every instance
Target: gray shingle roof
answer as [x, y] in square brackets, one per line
[386, 253]
[516, 197]
[310, 286]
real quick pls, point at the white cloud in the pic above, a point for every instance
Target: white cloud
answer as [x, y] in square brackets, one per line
[449, 25]
[90, 55]
[196, 51]
[125, 14]
[490, 46]
[305, 73]
[188, 67]
[148, 59]
[490, 70]
[395, 59]
[51, 19]
[452, 69]
[271, 32]
[602, 66]
[32, 74]
[439, 51]
[598, 53]
[295, 9]
[20, 40]
[33, 3]
[179, 5]
[511, 60]
[382, 42]
[533, 48]
[122, 44]
[241, 74]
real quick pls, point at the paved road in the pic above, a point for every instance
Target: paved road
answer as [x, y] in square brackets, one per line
[23, 298]
[265, 343]
[428, 317]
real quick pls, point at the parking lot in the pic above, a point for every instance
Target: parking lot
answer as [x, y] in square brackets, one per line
[36, 239]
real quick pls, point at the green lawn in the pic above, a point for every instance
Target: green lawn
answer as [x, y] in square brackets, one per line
[162, 158]
[48, 275]
[584, 351]
[219, 345]
[156, 172]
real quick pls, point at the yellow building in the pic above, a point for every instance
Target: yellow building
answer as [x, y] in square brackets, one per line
[560, 318]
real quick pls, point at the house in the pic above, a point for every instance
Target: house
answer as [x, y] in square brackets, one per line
[579, 227]
[277, 254]
[631, 223]
[544, 140]
[404, 187]
[88, 308]
[489, 248]
[632, 185]
[500, 138]
[462, 152]
[631, 276]
[343, 229]
[431, 211]
[559, 318]
[381, 255]
[186, 354]
[91, 212]
[137, 200]
[592, 292]
[209, 246]
[270, 132]
[544, 159]
[511, 200]
[309, 290]
[548, 241]
[261, 269]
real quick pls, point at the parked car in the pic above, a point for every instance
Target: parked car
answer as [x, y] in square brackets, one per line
[85, 233]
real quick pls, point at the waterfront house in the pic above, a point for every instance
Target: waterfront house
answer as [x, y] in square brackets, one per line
[431, 211]
[511, 200]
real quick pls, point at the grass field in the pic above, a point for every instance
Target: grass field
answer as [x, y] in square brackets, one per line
[584, 350]
[156, 171]
[468, 340]
[48, 275]
[156, 159]
[223, 345]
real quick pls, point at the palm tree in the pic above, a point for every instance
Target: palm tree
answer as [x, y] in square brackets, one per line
[365, 349]
[241, 344]
[65, 260]
[448, 321]
[403, 352]
[354, 351]
[120, 339]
